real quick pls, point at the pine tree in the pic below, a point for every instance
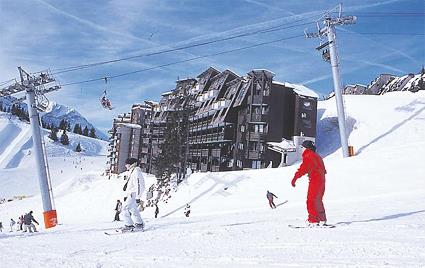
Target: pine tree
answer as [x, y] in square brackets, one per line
[77, 129]
[168, 160]
[64, 138]
[14, 110]
[53, 134]
[78, 148]
[92, 133]
[63, 124]
[86, 131]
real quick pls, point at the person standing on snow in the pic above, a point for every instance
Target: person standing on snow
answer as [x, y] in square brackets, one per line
[156, 210]
[12, 223]
[187, 210]
[1, 226]
[133, 189]
[28, 219]
[312, 164]
[118, 209]
[20, 222]
[270, 196]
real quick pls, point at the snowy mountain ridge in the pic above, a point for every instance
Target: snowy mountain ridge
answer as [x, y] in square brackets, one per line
[55, 113]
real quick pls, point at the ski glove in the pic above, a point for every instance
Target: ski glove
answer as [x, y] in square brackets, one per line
[293, 182]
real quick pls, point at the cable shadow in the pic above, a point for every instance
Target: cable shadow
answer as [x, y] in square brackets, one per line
[389, 217]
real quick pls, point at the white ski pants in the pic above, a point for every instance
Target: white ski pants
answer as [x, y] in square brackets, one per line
[130, 212]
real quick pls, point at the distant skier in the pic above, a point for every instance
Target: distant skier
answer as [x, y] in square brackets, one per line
[20, 222]
[156, 211]
[270, 196]
[312, 164]
[118, 209]
[133, 189]
[12, 223]
[28, 219]
[1, 226]
[187, 210]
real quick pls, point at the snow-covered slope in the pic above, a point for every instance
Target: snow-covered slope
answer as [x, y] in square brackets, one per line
[376, 199]
[17, 163]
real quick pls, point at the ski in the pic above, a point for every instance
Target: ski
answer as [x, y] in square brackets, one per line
[119, 231]
[312, 227]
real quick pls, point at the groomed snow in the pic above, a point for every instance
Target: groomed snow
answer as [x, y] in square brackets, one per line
[376, 199]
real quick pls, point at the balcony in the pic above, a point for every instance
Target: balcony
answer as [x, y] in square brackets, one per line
[204, 152]
[256, 135]
[258, 118]
[204, 167]
[215, 168]
[255, 155]
[215, 152]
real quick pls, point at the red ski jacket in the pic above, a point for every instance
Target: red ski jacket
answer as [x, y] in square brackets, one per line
[312, 165]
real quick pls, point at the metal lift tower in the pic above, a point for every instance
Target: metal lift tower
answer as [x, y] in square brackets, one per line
[330, 54]
[34, 87]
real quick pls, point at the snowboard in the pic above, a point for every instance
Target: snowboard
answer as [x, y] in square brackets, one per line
[312, 227]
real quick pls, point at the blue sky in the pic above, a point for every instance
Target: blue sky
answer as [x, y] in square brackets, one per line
[41, 34]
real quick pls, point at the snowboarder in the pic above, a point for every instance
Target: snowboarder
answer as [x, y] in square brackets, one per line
[118, 209]
[133, 189]
[187, 210]
[1, 226]
[156, 211]
[312, 164]
[28, 219]
[270, 196]
[12, 223]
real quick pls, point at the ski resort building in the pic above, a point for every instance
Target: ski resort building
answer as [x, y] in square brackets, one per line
[230, 122]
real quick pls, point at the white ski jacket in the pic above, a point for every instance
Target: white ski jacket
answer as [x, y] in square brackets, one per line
[135, 183]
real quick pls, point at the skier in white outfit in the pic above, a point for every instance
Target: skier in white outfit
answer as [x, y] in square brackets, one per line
[133, 189]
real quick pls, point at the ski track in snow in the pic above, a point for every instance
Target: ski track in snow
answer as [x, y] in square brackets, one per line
[375, 199]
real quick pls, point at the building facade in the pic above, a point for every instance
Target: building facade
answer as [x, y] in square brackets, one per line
[232, 122]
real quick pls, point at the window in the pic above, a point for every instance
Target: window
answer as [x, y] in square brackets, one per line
[256, 164]
[266, 91]
[240, 146]
[230, 163]
[307, 105]
[257, 110]
[242, 128]
[253, 146]
[265, 109]
[239, 163]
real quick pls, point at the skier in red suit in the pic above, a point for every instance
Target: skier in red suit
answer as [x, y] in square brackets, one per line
[312, 165]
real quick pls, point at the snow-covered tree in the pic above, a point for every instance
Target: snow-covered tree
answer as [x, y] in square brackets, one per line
[78, 148]
[92, 133]
[53, 134]
[64, 138]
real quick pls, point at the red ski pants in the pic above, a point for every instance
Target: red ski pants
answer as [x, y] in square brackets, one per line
[315, 208]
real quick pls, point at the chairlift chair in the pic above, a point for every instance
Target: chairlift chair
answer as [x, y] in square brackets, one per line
[104, 100]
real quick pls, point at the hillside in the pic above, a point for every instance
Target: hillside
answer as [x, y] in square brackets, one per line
[375, 199]
[17, 161]
[55, 113]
